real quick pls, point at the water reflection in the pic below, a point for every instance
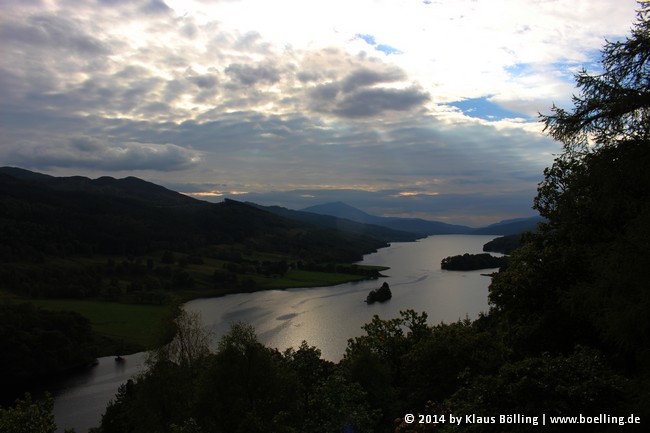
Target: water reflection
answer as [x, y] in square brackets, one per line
[81, 399]
[325, 317]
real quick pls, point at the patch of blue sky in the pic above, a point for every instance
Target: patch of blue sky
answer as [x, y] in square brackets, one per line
[370, 40]
[387, 49]
[518, 69]
[482, 108]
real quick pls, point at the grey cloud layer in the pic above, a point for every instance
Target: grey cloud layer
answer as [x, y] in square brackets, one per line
[185, 98]
[89, 152]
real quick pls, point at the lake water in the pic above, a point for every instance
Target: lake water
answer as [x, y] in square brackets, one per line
[325, 316]
[80, 400]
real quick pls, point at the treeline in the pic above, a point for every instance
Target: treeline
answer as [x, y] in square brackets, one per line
[36, 345]
[110, 280]
[43, 217]
[470, 262]
[394, 369]
[503, 244]
[567, 333]
[399, 366]
[154, 278]
[132, 241]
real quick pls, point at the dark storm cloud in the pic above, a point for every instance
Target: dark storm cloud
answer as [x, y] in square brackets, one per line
[251, 75]
[205, 81]
[251, 42]
[372, 102]
[154, 7]
[52, 32]
[359, 94]
[130, 7]
[367, 77]
[130, 86]
[99, 154]
[306, 77]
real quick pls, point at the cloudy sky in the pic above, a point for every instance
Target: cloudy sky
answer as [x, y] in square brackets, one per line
[403, 108]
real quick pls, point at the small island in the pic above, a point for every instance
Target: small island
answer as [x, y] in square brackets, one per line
[471, 262]
[381, 294]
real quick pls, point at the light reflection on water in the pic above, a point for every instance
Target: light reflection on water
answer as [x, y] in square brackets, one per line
[80, 400]
[325, 316]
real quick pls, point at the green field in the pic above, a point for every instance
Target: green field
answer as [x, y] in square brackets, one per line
[299, 278]
[135, 325]
[130, 327]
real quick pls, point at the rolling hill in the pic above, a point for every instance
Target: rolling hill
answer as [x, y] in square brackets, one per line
[417, 226]
[46, 215]
[421, 227]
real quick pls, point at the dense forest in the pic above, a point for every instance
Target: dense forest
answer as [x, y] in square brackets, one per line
[504, 244]
[93, 244]
[567, 334]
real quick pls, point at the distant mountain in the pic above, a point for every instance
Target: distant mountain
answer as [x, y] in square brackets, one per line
[345, 224]
[22, 174]
[510, 227]
[425, 227]
[416, 226]
[342, 210]
[60, 216]
[129, 187]
[421, 227]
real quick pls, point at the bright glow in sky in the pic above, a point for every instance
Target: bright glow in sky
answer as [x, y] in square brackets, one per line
[406, 107]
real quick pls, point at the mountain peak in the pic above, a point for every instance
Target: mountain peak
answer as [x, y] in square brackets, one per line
[342, 210]
[22, 174]
[128, 187]
[411, 225]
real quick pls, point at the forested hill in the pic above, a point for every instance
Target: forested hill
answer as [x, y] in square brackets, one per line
[45, 215]
[129, 188]
[345, 224]
[416, 226]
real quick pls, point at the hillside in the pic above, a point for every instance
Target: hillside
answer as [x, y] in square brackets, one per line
[76, 215]
[417, 226]
[421, 227]
[118, 254]
[343, 223]
[510, 227]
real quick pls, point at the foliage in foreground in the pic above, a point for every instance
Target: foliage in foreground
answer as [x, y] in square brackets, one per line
[28, 416]
[36, 344]
[568, 331]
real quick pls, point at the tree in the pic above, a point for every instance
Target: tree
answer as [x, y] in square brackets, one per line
[311, 371]
[611, 113]
[28, 416]
[246, 387]
[375, 361]
[165, 394]
[596, 196]
[614, 106]
[579, 383]
[190, 343]
[344, 408]
[37, 344]
[581, 279]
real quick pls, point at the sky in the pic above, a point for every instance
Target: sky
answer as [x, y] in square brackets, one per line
[405, 108]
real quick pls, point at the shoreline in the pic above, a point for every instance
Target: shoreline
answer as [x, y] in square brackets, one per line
[124, 341]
